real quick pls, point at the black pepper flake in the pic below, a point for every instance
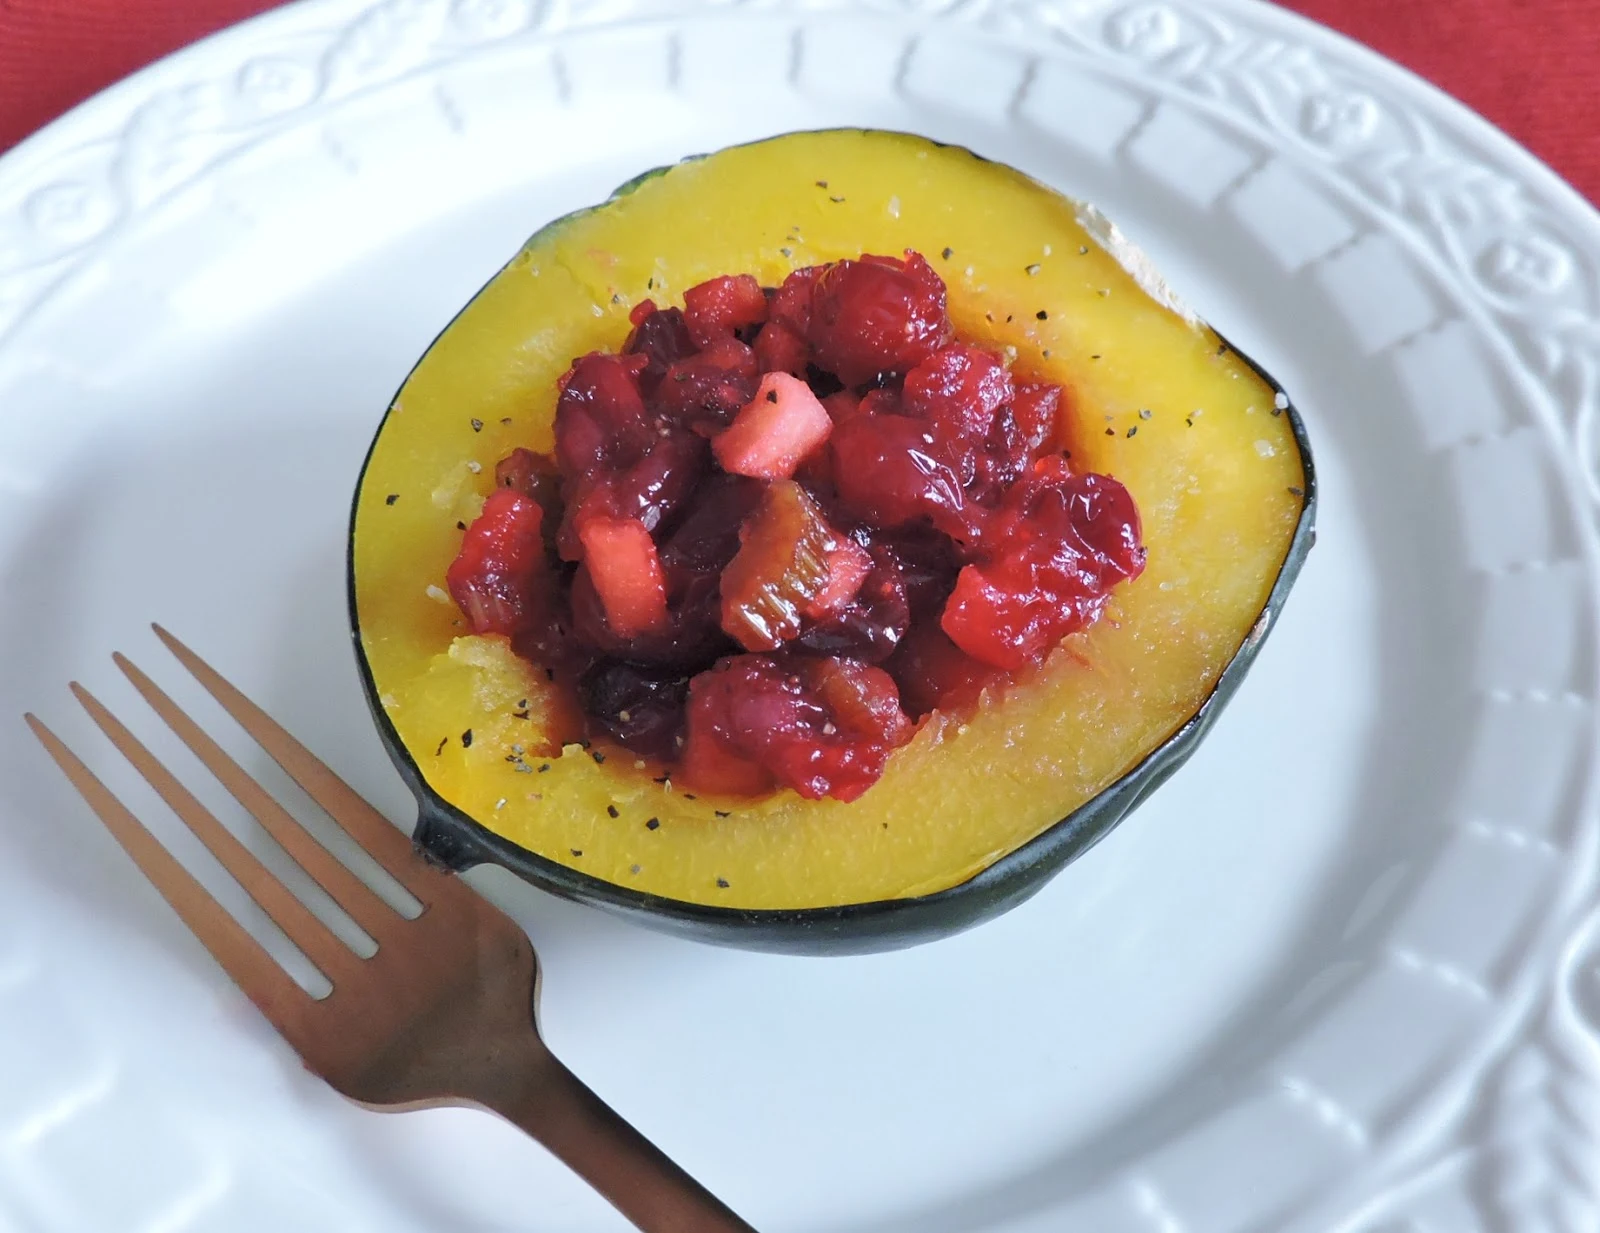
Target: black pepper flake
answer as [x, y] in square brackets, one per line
[772, 395]
[1094, 357]
[836, 200]
[1133, 430]
[690, 796]
[635, 868]
[460, 526]
[650, 283]
[1276, 412]
[654, 824]
[443, 741]
[722, 883]
[1299, 492]
[822, 184]
[613, 811]
[1189, 420]
[576, 851]
[1222, 349]
[662, 779]
[1042, 315]
[1045, 353]
[506, 420]
[391, 498]
[1111, 432]
[787, 252]
[1033, 269]
[599, 758]
[615, 298]
[948, 253]
[550, 674]
[1145, 413]
[519, 714]
[722, 813]
[1008, 318]
[543, 767]
[466, 739]
[477, 424]
[1083, 250]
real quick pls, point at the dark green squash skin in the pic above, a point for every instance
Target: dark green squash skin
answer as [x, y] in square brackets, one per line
[450, 838]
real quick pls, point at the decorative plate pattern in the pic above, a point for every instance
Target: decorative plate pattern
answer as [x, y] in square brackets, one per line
[1441, 1068]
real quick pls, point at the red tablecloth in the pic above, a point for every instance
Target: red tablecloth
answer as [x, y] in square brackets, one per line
[1525, 64]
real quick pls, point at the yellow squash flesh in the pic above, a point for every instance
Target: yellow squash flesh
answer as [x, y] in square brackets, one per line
[1186, 425]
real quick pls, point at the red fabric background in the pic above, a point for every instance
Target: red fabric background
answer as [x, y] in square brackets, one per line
[1525, 64]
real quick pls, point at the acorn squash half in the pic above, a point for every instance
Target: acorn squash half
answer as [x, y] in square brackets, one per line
[977, 812]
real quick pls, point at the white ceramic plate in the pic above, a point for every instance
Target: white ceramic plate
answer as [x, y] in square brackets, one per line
[1342, 973]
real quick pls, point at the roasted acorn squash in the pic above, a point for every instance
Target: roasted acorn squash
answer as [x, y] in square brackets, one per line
[977, 812]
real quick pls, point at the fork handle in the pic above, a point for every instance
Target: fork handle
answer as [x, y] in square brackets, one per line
[597, 1144]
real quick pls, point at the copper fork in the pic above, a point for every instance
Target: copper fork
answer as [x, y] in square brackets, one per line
[444, 1012]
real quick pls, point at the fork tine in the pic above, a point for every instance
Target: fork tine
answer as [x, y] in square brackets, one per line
[369, 828]
[244, 959]
[315, 939]
[348, 891]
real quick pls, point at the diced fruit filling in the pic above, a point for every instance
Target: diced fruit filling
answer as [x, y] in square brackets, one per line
[784, 525]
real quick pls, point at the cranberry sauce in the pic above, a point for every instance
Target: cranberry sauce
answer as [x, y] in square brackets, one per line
[782, 525]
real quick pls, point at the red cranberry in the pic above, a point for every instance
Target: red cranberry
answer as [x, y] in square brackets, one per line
[888, 472]
[958, 389]
[792, 303]
[600, 417]
[706, 390]
[877, 315]
[662, 337]
[781, 349]
[717, 307]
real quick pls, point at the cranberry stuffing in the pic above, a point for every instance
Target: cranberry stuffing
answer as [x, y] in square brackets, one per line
[877, 315]
[784, 522]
